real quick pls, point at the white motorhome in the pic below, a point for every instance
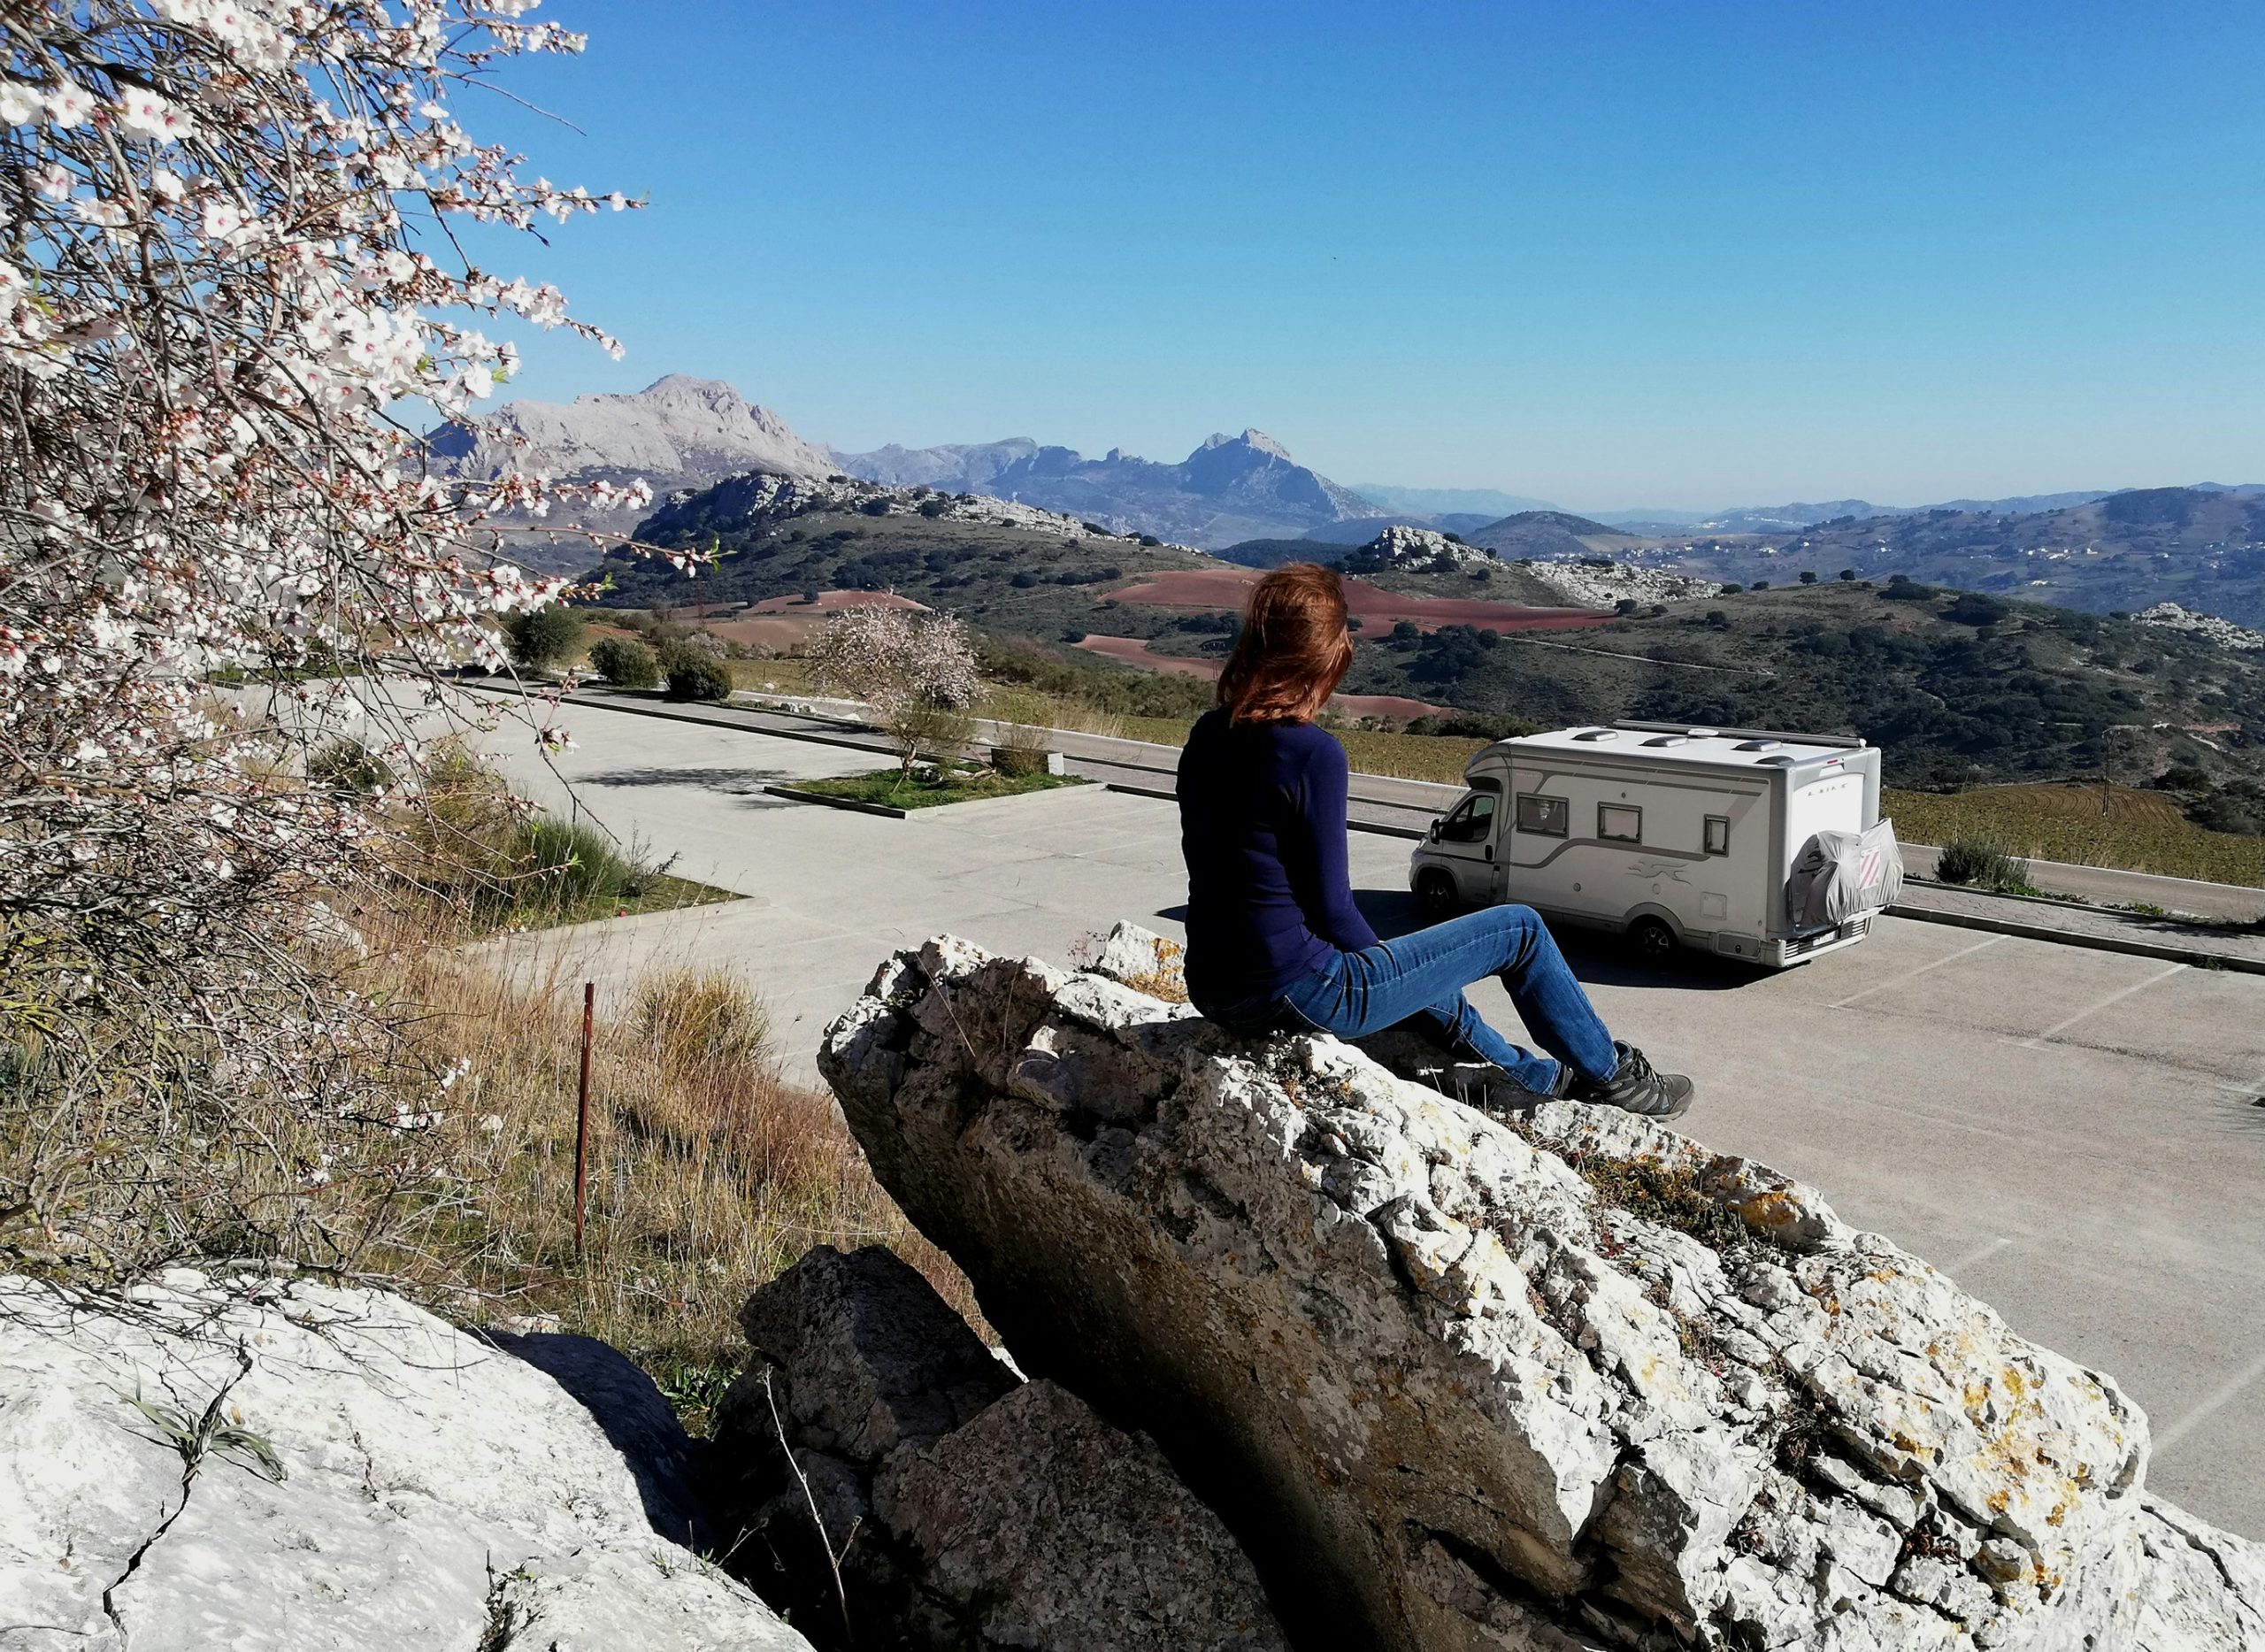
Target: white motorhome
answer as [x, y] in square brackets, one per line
[1753, 843]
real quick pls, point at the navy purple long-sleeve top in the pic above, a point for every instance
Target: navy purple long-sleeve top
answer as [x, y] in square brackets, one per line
[1261, 823]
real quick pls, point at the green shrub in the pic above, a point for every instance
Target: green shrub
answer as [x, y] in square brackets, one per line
[1476, 726]
[348, 766]
[1985, 864]
[544, 638]
[1017, 760]
[572, 866]
[625, 664]
[692, 675]
[1972, 608]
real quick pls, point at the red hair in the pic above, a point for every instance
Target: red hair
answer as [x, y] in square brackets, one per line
[1294, 650]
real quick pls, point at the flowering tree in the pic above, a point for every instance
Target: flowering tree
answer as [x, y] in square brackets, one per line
[916, 669]
[224, 260]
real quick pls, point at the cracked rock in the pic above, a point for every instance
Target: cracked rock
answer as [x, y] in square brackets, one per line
[1458, 1384]
[431, 1486]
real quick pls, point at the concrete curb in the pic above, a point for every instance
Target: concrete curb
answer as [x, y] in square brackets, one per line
[855, 805]
[2232, 962]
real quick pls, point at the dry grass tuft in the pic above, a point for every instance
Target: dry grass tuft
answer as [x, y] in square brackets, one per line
[694, 1019]
[708, 1173]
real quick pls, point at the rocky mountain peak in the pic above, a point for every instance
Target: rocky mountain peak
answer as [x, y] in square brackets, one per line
[678, 431]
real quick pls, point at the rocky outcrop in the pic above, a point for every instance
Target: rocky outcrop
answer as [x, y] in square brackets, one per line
[962, 1506]
[1465, 1381]
[1419, 548]
[676, 432]
[1598, 584]
[2224, 632]
[268, 1463]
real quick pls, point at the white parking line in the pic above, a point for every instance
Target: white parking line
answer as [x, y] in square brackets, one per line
[1975, 1258]
[1910, 975]
[2112, 998]
[2216, 1403]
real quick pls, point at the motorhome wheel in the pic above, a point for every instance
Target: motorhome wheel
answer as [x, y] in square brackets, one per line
[1436, 894]
[1654, 939]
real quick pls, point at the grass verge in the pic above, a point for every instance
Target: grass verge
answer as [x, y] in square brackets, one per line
[929, 788]
[2084, 826]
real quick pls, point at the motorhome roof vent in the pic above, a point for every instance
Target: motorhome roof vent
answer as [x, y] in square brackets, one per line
[1701, 733]
[1598, 733]
[1759, 745]
[1783, 760]
[1668, 740]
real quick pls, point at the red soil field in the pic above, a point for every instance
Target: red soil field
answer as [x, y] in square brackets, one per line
[1227, 588]
[1136, 651]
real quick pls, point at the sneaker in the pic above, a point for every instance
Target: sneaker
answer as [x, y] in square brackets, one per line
[1636, 1088]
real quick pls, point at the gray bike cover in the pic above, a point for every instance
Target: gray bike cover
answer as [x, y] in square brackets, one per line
[1839, 874]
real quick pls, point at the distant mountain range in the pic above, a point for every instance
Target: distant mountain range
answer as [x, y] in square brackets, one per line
[1489, 502]
[1780, 519]
[1230, 488]
[2202, 545]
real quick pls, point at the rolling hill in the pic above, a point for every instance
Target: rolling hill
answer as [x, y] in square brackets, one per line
[2203, 548]
[1956, 686]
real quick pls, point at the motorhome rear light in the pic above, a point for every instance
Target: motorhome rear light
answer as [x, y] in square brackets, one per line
[1598, 733]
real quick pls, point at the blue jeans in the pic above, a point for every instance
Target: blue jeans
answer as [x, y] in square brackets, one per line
[1422, 976]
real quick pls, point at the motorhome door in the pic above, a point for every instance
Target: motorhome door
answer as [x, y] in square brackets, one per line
[1465, 846]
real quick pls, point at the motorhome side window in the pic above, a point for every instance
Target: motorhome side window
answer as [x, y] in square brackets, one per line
[1718, 834]
[1473, 822]
[1546, 816]
[1619, 823]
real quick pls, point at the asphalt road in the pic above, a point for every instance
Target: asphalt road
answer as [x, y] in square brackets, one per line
[2075, 1136]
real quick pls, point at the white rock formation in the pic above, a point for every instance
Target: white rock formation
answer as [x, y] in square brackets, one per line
[1586, 585]
[2224, 632]
[314, 1468]
[1421, 547]
[676, 430]
[1462, 1382]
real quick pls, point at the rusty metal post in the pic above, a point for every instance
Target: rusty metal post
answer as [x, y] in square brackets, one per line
[582, 1115]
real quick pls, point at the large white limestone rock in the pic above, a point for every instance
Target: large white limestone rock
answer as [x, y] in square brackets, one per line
[316, 1468]
[1464, 1381]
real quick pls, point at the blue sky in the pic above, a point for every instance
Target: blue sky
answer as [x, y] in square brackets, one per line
[1614, 254]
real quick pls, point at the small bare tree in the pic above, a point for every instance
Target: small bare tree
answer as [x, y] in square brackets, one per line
[916, 669]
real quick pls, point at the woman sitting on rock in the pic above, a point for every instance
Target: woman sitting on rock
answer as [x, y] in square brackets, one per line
[1274, 942]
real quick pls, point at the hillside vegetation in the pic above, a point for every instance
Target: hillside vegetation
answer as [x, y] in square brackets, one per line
[1953, 687]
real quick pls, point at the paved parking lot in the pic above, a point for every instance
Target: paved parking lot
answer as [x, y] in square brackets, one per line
[2075, 1136]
